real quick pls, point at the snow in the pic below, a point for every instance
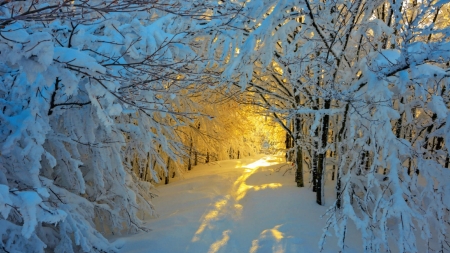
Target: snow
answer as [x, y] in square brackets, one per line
[28, 210]
[5, 200]
[78, 59]
[246, 205]
[437, 106]
[89, 92]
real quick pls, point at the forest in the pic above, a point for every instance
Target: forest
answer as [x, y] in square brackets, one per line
[103, 100]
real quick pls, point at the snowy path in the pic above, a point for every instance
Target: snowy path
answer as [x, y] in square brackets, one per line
[242, 205]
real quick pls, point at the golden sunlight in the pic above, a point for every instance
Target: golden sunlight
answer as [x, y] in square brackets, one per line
[238, 192]
[241, 187]
[215, 247]
[273, 234]
[209, 217]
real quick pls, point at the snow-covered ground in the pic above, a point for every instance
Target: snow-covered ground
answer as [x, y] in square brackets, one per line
[244, 205]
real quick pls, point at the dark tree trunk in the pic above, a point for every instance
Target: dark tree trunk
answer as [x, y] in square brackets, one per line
[368, 160]
[195, 158]
[439, 143]
[338, 192]
[288, 146]
[410, 140]
[190, 155]
[322, 156]
[339, 172]
[314, 161]
[362, 163]
[168, 170]
[299, 171]
[299, 155]
[334, 165]
[334, 153]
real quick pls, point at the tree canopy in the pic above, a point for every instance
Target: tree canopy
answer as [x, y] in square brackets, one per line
[100, 100]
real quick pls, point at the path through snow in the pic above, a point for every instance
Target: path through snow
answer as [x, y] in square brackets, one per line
[244, 205]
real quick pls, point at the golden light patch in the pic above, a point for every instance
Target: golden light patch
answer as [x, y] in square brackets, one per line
[215, 247]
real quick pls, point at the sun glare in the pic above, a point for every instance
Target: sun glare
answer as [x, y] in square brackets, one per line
[241, 187]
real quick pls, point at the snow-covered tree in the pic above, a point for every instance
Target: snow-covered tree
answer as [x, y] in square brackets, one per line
[85, 88]
[99, 97]
[374, 77]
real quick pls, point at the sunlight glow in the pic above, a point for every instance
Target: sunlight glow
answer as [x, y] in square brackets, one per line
[209, 217]
[255, 165]
[269, 234]
[241, 187]
[265, 186]
[215, 247]
[254, 247]
[238, 191]
[269, 11]
[276, 233]
[277, 68]
[259, 44]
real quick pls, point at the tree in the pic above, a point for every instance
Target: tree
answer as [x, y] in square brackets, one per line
[90, 94]
[376, 72]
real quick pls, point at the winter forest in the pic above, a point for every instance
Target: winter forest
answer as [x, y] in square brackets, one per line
[102, 102]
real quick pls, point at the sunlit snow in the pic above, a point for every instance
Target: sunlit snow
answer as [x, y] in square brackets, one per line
[244, 205]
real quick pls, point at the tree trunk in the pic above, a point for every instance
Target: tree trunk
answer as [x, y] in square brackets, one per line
[334, 153]
[190, 155]
[314, 161]
[362, 163]
[334, 166]
[299, 171]
[322, 157]
[367, 160]
[299, 154]
[195, 158]
[168, 170]
[288, 146]
[339, 171]
[410, 137]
